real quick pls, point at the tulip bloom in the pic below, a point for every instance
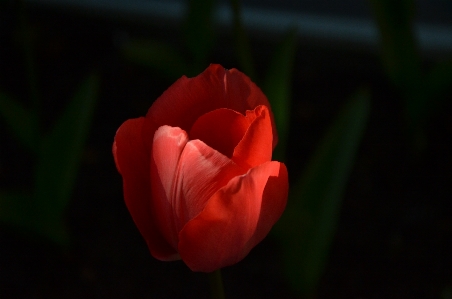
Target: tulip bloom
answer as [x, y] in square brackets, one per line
[197, 173]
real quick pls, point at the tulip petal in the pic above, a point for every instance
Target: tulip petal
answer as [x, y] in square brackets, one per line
[189, 98]
[255, 147]
[221, 129]
[184, 175]
[132, 161]
[235, 219]
[203, 171]
[237, 85]
[168, 144]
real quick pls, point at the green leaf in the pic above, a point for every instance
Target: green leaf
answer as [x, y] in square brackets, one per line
[59, 159]
[277, 87]
[155, 55]
[199, 34]
[446, 293]
[401, 58]
[21, 122]
[242, 43]
[309, 222]
[430, 95]
[398, 44]
[16, 209]
[439, 81]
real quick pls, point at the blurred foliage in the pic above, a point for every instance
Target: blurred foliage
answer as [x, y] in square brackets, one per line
[422, 91]
[41, 209]
[22, 122]
[199, 34]
[277, 87]
[307, 227]
[446, 293]
[58, 155]
[242, 43]
[166, 58]
[156, 55]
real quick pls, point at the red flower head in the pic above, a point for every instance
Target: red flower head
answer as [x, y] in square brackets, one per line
[197, 172]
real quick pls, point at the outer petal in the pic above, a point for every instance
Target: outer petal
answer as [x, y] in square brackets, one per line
[235, 219]
[132, 162]
[237, 85]
[255, 147]
[189, 98]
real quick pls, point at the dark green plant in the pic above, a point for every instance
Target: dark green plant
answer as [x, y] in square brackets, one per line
[308, 225]
[422, 91]
[165, 58]
[42, 208]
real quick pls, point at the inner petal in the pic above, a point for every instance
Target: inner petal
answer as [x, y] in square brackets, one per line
[255, 147]
[169, 142]
[202, 171]
[221, 129]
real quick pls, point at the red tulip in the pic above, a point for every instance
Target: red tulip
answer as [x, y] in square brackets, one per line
[197, 172]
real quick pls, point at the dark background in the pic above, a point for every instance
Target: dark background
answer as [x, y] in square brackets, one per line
[394, 235]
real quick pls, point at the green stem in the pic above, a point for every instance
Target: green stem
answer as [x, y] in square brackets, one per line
[216, 285]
